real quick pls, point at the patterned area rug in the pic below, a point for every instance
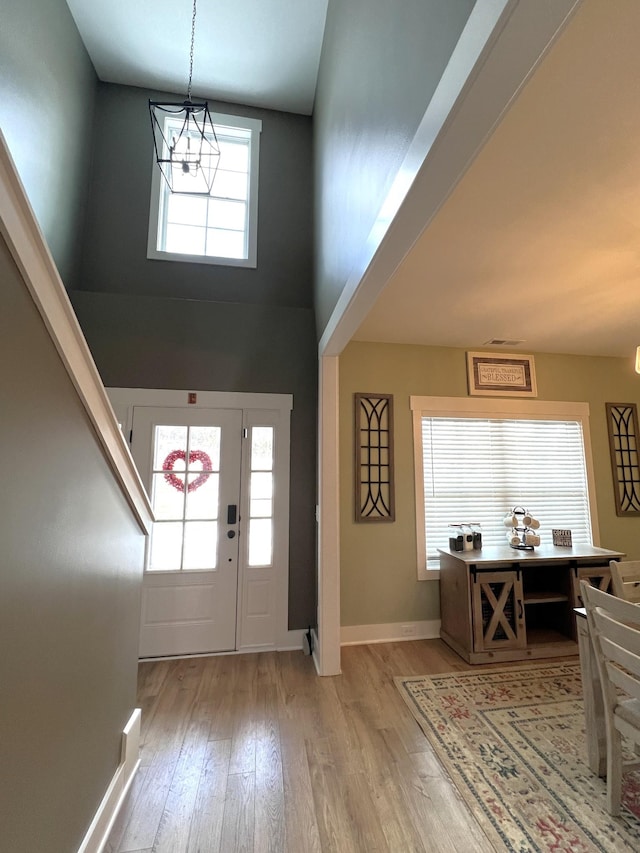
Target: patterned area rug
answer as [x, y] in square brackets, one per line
[513, 742]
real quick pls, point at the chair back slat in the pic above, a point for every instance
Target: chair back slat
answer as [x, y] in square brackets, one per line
[625, 635]
[625, 579]
[627, 683]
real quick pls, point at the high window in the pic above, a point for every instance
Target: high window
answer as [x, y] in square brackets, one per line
[216, 229]
[476, 459]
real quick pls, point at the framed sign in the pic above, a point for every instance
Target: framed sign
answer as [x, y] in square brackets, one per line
[500, 374]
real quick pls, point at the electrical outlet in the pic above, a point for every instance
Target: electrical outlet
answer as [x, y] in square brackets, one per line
[407, 630]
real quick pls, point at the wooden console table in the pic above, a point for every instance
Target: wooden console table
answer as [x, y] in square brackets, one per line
[502, 604]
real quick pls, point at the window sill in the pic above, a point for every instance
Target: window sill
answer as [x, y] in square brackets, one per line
[428, 574]
[157, 255]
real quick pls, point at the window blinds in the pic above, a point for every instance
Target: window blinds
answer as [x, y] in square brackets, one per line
[476, 469]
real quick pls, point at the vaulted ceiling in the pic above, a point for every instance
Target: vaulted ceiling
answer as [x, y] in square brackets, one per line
[259, 52]
[539, 241]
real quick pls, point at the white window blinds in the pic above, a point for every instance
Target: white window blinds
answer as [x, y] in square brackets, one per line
[476, 469]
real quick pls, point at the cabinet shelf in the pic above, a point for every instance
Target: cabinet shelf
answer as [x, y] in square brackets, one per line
[548, 637]
[544, 597]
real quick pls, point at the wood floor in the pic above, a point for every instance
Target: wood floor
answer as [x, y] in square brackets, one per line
[256, 753]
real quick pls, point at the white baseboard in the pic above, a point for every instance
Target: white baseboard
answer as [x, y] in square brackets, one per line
[390, 632]
[291, 641]
[314, 651]
[103, 820]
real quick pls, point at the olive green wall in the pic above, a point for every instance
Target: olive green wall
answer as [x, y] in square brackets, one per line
[378, 561]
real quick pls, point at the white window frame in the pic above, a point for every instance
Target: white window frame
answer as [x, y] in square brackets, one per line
[461, 407]
[158, 186]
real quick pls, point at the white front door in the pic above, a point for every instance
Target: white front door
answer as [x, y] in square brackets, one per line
[190, 461]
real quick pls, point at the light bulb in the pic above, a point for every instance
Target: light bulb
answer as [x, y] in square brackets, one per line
[638, 360]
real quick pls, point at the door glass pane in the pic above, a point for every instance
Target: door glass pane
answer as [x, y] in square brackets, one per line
[168, 439]
[261, 486]
[260, 542]
[166, 546]
[261, 497]
[207, 440]
[261, 509]
[166, 500]
[262, 448]
[200, 545]
[186, 485]
[203, 502]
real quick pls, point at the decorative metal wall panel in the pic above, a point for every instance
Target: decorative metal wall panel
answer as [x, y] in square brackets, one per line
[374, 486]
[622, 422]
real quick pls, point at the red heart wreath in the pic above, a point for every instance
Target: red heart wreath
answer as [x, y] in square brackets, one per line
[194, 456]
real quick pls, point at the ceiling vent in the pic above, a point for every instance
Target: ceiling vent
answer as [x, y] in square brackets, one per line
[501, 342]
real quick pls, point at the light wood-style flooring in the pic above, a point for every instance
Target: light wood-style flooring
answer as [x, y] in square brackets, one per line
[256, 753]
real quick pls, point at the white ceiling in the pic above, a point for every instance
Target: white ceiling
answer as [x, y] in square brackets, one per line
[540, 240]
[259, 52]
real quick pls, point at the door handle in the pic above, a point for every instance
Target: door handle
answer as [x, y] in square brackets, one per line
[232, 513]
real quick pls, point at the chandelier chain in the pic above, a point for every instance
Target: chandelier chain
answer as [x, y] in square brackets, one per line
[193, 36]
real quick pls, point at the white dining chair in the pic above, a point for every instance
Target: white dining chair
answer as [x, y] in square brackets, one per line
[614, 628]
[625, 579]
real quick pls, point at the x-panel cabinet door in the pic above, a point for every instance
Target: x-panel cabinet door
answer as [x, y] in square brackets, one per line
[498, 613]
[190, 461]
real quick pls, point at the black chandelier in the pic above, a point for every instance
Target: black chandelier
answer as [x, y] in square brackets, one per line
[185, 142]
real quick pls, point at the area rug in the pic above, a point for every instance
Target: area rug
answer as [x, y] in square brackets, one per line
[513, 742]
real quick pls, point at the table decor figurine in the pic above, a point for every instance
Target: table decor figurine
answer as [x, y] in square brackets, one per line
[522, 526]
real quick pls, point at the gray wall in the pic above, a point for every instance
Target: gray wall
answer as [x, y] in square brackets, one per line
[70, 576]
[163, 324]
[115, 245]
[144, 342]
[47, 90]
[380, 65]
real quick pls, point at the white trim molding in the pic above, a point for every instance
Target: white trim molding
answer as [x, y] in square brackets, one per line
[390, 632]
[31, 254]
[98, 832]
[314, 649]
[240, 127]
[327, 654]
[124, 400]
